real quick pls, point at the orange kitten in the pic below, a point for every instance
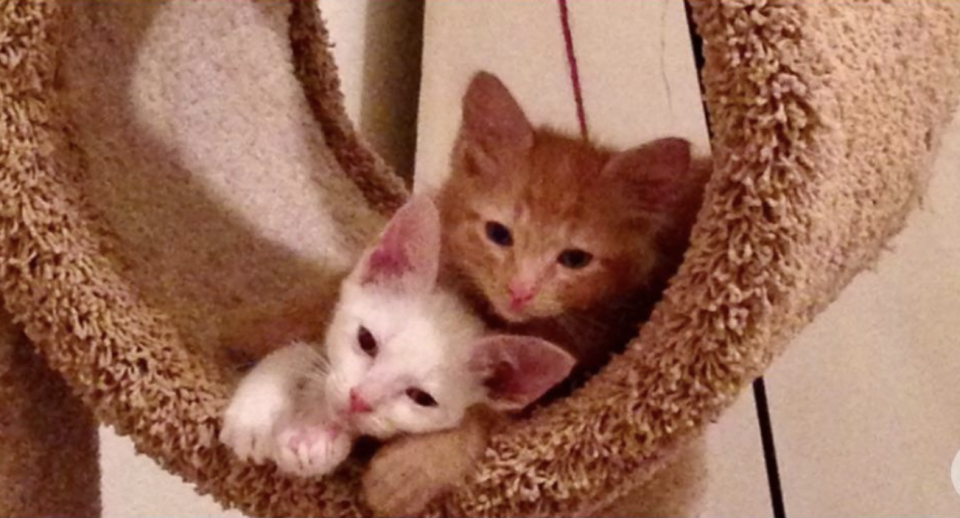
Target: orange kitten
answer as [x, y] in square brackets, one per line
[552, 236]
[558, 235]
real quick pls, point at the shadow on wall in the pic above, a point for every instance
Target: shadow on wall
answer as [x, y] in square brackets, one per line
[389, 102]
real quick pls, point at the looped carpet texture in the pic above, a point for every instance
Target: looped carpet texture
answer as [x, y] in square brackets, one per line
[136, 138]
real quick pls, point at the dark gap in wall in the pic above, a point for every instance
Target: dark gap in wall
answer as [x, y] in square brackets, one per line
[389, 101]
[769, 448]
[697, 42]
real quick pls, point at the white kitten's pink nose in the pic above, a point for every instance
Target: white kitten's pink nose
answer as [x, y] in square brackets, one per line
[358, 405]
[521, 294]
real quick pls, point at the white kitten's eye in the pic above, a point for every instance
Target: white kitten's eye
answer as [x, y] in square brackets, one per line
[367, 342]
[420, 397]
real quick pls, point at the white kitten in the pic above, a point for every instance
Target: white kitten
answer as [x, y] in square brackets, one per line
[400, 356]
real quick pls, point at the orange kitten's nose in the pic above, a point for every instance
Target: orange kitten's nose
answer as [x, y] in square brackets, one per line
[521, 294]
[358, 405]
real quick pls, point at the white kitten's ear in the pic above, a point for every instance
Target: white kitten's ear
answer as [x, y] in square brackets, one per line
[406, 258]
[493, 121]
[654, 173]
[518, 370]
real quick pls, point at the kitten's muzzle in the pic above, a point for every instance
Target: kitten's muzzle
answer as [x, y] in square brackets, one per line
[521, 295]
[358, 405]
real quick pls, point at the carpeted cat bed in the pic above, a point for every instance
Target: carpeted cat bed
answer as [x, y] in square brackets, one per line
[138, 138]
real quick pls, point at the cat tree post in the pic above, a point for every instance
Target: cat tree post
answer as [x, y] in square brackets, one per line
[48, 439]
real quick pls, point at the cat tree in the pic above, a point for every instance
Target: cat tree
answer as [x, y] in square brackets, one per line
[825, 119]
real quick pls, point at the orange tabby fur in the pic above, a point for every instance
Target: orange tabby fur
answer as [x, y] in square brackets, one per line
[631, 210]
[557, 196]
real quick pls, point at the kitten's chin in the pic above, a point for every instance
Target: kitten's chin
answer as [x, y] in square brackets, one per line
[374, 427]
[511, 316]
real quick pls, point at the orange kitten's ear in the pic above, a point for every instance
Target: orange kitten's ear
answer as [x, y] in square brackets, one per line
[655, 173]
[492, 120]
[407, 255]
[518, 370]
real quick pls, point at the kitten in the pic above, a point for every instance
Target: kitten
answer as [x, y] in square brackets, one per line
[400, 356]
[552, 236]
[556, 232]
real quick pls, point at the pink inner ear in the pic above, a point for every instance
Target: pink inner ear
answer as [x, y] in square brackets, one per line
[518, 370]
[391, 258]
[492, 117]
[408, 253]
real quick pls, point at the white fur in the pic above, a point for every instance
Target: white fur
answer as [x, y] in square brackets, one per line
[306, 448]
[264, 400]
[289, 406]
[295, 409]
[424, 342]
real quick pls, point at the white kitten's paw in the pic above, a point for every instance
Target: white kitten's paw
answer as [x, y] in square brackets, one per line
[311, 450]
[250, 421]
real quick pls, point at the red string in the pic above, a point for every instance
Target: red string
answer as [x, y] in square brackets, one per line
[574, 71]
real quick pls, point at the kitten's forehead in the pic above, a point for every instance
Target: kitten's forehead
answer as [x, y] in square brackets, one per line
[426, 337]
[554, 184]
[378, 310]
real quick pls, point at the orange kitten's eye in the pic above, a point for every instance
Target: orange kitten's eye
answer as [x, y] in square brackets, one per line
[367, 342]
[420, 397]
[499, 234]
[574, 258]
